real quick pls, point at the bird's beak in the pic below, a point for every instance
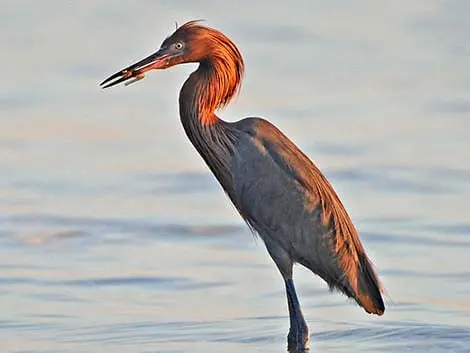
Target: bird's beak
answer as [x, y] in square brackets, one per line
[136, 71]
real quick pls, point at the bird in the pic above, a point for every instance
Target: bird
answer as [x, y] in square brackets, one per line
[279, 192]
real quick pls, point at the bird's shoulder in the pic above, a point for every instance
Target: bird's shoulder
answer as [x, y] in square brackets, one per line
[271, 145]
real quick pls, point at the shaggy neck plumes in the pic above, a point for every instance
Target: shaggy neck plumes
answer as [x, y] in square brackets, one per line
[209, 88]
[216, 81]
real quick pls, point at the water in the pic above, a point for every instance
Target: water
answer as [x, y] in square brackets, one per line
[115, 237]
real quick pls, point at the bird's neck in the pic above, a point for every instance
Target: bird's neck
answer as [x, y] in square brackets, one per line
[193, 110]
[212, 137]
[209, 88]
[198, 102]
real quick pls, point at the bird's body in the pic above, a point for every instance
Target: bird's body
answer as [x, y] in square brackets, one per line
[275, 187]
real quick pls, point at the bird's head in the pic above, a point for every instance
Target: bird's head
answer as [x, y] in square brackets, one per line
[191, 42]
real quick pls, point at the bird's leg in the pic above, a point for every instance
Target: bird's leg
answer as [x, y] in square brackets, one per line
[299, 335]
[292, 335]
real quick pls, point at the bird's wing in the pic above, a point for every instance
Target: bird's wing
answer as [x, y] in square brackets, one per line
[286, 198]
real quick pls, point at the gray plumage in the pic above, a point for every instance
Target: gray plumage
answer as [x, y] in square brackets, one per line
[278, 191]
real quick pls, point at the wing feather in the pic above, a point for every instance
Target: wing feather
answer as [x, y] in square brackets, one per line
[286, 196]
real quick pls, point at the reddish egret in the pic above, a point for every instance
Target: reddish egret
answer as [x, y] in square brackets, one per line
[276, 188]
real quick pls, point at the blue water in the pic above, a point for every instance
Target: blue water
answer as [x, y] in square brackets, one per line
[114, 237]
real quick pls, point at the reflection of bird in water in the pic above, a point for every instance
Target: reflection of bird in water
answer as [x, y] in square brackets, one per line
[275, 187]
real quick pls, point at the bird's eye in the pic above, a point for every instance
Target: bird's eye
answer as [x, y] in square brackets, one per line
[179, 45]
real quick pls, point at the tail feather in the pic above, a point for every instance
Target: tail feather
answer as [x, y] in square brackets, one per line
[361, 283]
[368, 287]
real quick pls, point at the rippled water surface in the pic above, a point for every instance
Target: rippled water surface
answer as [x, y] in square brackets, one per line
[114, 237]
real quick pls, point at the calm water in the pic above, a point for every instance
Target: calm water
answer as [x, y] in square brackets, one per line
[115, 237]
